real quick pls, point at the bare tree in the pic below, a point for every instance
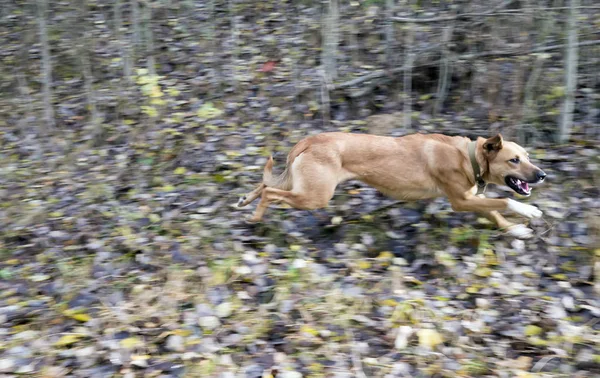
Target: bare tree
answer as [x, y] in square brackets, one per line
[570, 73]
[389, 33]
[408, 64]
[234, 42]
[445, 69]
[330, 35]
[85, 45]
[124, 49]
[149, 37]
[135, 21]
[42, 8]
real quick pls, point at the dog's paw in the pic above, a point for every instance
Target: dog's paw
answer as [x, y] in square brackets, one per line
[251, 220]
[520, 231]
[523, 209]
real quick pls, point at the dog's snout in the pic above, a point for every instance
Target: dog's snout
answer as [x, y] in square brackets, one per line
[540, 175]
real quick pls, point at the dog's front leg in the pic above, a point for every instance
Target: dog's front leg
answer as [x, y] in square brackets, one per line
[469, 202]
[516, 230]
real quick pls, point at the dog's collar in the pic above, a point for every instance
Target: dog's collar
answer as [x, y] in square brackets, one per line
[481, 184]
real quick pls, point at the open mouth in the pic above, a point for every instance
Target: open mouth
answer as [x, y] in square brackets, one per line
[518, 185]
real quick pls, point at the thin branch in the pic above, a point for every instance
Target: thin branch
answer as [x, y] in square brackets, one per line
[492, 13]
[521, 53]
[456, 17]
[382, 73]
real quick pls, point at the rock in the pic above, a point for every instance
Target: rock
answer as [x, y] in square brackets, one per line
[568, 302]
[224, 310]
[402, 338]
[556, 312]
[175, 343]
[290, 374]
[209, 322]
[7, 365]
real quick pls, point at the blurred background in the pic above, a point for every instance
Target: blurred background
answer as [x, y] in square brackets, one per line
[130, 128]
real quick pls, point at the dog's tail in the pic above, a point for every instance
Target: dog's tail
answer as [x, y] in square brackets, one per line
[283, 181]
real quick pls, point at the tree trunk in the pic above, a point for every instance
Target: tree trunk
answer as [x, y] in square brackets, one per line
[135, 21]
[389, 33]
[408, 63]
[330, 35]
[123, 45]
[445, 70]
[234, 43]
[570, 74]
[150, 60]
[84, 46]
[42, 7]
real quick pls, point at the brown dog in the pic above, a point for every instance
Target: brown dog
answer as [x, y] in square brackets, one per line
[411, 167]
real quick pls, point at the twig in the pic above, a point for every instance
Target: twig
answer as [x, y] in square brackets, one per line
[542, 362]
[356, 363]
[382, 73]
[553, 224]
[457, 17]
[492, 13]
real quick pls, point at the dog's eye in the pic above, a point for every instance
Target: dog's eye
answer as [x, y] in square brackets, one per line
[515, 160]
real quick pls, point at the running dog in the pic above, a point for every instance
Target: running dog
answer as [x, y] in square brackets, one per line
[411, 167]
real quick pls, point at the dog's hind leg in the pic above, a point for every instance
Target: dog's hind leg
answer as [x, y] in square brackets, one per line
[312, 188]
[302, 201]
[248, 198]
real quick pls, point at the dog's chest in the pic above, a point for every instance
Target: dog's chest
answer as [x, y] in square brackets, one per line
[412, 194]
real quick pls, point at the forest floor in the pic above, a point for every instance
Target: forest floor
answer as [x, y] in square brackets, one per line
[122, 253]
[125, 261]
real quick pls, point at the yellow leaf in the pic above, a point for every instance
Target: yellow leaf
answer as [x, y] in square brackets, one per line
[82, 317]
[364, 265]
[309, 330]
[130, 342]
[180, 171]
[532, 330]
[429, 338]
[208, 111]
[389, 302]
[150, 111]
[68, 340]
[157, 101]
[385, 255]
[182, 332]
[483, 272]
[156, 92]
[472, 290]
[154, 218]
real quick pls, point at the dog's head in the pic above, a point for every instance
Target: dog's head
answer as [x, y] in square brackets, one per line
[508, 164]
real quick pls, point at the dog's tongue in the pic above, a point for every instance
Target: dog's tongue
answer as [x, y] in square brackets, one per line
[524, 186]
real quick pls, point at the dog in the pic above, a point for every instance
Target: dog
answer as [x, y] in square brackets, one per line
[411, 167]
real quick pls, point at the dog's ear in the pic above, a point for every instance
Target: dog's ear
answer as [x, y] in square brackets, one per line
[493, 144]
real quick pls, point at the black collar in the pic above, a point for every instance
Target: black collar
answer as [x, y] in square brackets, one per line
[481, 184]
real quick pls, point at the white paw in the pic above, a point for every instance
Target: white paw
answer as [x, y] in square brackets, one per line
[240, 201]
[520, 231]
[524, 209]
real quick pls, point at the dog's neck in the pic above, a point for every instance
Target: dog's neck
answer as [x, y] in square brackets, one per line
[476, 160]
